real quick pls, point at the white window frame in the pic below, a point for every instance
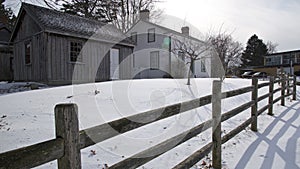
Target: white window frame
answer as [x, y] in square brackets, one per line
[203, 66]
[77, 52]
[154, 60]
[151, 35]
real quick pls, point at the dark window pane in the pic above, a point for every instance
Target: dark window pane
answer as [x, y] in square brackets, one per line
[75, 49]
[28, 53]
[151, 35]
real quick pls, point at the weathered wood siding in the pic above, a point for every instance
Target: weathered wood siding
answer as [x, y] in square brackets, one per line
[36, 70]
[50, 57]
[28, 30]
[6, 72]
[95, 65]
[126, 66]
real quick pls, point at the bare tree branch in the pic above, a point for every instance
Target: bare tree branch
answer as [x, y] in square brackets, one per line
[228, 50]
[271, 47]
[191, 49]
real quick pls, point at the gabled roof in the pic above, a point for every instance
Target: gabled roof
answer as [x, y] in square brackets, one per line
[62, 23]
[168, 30]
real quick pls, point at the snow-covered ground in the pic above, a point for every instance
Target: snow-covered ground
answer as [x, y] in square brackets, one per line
[12, 87]
[28, 117]
[275, 145]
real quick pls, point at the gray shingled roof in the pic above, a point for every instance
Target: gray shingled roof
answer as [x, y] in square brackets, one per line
[59, 22]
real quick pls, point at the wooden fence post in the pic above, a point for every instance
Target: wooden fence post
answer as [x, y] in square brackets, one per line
[271, 89]
[294, 87]
[254, 107]
[283, 90]
[216, 128]
[66, 126]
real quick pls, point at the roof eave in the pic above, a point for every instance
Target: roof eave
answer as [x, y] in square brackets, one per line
[87, 37]
[284, 52]
[165, 28]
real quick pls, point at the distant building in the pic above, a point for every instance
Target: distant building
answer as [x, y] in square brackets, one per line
[59, 48]
[154, 46]
[286, 62]
[6, 56]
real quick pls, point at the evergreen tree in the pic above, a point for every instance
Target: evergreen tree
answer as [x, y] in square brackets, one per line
[7, 16]
[254, 53]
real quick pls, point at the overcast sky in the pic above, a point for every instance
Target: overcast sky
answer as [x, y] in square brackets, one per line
[271, 20]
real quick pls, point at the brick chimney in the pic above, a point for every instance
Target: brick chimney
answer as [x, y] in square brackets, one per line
[145, 15]
[185, 31]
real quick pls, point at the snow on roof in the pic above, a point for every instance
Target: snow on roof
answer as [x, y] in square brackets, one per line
[59, 22]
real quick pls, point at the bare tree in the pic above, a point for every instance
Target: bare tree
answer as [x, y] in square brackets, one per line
[233, 58]
[228, 50]
[129, 12]
[192, 50]
[271, 47]
[121, 13]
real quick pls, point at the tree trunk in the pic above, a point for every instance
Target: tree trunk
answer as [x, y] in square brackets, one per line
[189, 79]
[190, 72]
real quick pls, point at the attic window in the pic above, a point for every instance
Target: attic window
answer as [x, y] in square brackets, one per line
[75, 49]
[27, 52]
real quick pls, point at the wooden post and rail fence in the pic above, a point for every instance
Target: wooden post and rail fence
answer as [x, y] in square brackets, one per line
[65, 148]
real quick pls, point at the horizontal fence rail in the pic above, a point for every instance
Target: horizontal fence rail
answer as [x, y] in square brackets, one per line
[69, 140]
[152, 152]
[263, 84]
[117, 127]
[200, 154]
[236, 111]
[34, 155]
[237, 92]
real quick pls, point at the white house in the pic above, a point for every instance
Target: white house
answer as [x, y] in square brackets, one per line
[155, 50]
